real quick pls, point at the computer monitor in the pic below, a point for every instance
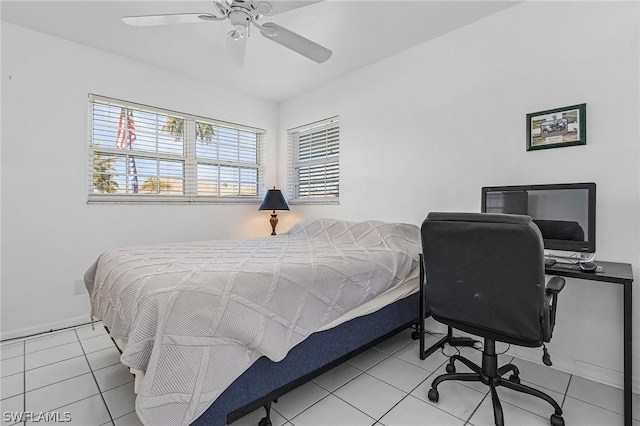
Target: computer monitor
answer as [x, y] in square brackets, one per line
[565, 213]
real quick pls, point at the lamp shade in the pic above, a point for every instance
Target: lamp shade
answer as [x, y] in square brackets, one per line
[274, 200]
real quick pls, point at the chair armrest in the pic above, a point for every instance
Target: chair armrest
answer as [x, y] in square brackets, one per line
[555, 285]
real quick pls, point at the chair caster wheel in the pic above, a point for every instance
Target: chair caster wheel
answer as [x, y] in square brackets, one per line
[557, 420]
[415, 335]
[264, 422]
[515, 379]
[450, 368]
[433, 395]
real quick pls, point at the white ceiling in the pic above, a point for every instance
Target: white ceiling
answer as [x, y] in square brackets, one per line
[359, 32]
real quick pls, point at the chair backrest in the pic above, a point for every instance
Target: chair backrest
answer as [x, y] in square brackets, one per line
[485, 274]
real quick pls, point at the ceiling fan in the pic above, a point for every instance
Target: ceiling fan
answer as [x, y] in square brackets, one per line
[242, 14]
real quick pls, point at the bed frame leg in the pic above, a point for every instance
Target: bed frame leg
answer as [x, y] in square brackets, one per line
[266, 421]
[415, 334]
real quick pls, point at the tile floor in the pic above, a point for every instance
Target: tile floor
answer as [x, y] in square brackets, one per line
[77, 371]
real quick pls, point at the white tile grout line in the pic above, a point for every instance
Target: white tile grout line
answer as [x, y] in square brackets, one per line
[566, 391]
[58, 381]
[51, 363]
[81, 399]
[323, 398]
[430, 376]
[55, 383]
[106, 366]
[65, 359]
[95, 380]
[119, 417]
[68, 343]
[476, 409]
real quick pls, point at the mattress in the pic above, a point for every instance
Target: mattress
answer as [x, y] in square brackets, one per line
[405, 288]
[197, 315]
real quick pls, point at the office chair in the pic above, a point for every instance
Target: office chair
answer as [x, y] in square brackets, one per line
[484, 274]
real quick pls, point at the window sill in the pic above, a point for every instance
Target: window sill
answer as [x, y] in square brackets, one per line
[150, 199]
[319, 201]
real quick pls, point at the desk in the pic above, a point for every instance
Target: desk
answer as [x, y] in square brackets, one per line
[614, 273]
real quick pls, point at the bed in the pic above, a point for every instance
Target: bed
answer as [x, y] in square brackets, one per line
[220, 328]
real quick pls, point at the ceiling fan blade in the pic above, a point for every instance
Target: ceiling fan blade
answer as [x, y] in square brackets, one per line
[234, 52]
[296, 42]
[279, 6]
[222, 6]
[262, 8]
[179, 18]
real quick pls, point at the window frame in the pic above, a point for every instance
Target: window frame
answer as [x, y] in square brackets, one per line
[295, 163]
[189, 158]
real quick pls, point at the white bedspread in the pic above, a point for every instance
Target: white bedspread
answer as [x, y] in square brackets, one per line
[197, 315]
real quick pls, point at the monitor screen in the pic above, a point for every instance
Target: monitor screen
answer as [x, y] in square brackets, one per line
[565, 213]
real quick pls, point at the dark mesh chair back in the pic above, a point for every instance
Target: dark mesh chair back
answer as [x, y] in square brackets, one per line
[483, 271]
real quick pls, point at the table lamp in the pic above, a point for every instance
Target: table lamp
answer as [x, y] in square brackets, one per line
[274, 200]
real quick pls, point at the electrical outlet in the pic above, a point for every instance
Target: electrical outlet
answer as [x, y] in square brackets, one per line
[78, 287]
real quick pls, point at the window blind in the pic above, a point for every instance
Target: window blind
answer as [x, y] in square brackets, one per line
[314, 156]
[142, 153]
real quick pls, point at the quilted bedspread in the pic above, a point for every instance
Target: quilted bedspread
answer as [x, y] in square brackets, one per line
[197, 315]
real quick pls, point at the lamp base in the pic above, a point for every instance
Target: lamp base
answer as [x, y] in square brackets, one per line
[274, 222]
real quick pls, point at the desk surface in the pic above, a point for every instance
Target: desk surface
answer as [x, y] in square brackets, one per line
[612, 272]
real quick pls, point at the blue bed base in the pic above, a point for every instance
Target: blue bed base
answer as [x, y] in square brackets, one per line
[266, 380]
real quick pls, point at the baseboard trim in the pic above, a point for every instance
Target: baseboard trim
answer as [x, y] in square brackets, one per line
[579, 368]
[48, 328]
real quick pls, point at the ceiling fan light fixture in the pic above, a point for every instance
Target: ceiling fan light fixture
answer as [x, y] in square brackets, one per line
[239, 20]
[235, 35]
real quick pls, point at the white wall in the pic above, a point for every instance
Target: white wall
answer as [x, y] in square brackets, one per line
[426, 129]
[50, 235]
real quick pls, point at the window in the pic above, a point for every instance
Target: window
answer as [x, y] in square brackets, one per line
[141, 153]
[314, 151]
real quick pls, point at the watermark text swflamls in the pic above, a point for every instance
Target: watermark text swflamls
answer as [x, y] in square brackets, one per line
[11, 417]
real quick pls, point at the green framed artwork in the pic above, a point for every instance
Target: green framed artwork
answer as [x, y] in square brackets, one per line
[558, 127]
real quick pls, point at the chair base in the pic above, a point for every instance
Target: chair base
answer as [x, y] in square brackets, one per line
[491, 375]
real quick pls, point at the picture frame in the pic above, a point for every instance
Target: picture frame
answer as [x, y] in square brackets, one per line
[555, 128]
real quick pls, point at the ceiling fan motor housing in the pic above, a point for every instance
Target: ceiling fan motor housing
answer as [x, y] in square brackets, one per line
[239, 19]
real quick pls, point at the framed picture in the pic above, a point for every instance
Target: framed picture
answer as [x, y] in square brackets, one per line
[557, 127]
